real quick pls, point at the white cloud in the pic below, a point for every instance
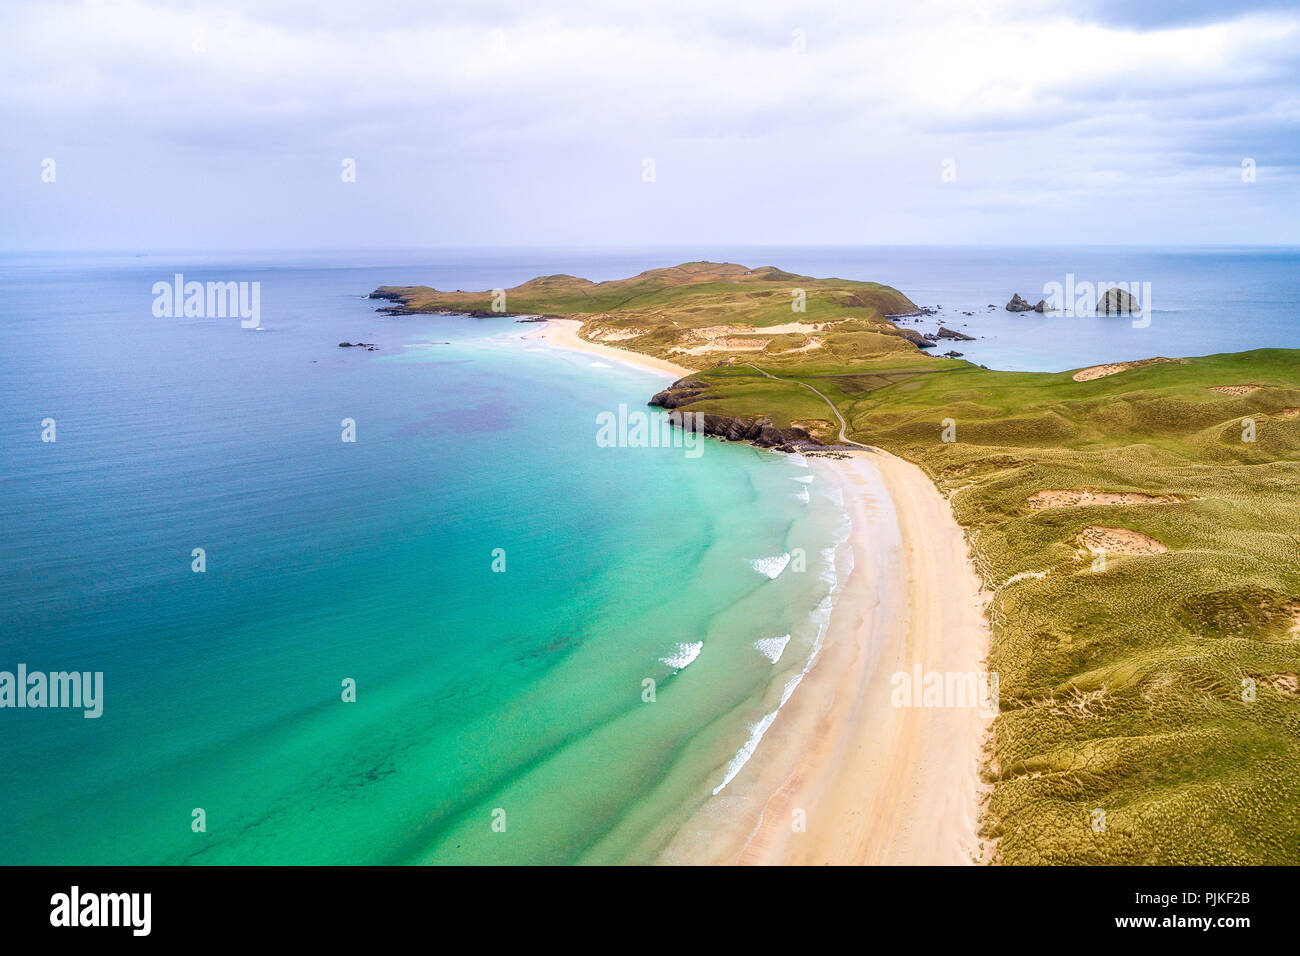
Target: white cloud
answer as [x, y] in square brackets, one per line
[477, 106]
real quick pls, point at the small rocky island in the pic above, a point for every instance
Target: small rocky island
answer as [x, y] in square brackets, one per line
[947, 333]
[1017, 304]
[1117, 302]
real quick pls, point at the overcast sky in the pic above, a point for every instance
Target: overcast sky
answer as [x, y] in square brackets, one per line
[227, 125]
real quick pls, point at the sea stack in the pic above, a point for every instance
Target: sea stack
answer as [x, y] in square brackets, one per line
[1117, 301]
[1018, 304]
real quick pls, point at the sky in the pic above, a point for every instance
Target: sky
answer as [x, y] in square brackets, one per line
[255, 124]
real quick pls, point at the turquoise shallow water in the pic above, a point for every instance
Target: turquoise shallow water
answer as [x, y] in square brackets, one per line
[481, 696]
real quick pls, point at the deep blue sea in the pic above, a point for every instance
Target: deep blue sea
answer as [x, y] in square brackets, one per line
[497, 585]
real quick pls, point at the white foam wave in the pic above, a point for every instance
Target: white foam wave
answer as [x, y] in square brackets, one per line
[804, 478]
[828, 573]
[771, 567]
[683, 655]
[756, 732]
[820, 616]
[798, 460]
[772, 647]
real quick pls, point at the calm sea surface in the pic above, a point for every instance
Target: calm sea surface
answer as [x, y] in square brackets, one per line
[570, 707]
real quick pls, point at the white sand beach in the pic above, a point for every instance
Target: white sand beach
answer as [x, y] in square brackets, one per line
[843, 776]
[563, 333]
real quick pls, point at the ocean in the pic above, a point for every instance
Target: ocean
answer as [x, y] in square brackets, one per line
[473, 633]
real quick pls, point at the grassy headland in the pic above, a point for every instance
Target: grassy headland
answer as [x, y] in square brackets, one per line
[1157, 682]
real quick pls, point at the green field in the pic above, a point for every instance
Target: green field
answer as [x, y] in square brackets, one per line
[1161, 687]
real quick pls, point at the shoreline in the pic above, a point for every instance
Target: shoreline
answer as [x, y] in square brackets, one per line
[563, 333]
[870, 783]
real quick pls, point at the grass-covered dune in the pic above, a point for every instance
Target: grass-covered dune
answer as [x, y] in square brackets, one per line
[1140, 532]
[1125, 681]
[664, 305]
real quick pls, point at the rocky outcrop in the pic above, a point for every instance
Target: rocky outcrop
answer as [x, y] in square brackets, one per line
[757, 431]
[944, 333]
[368, 346]
[403, 298]
[1018, 304]
[1042, 306]
[679, 393]
[1116, 302]
[913, 336]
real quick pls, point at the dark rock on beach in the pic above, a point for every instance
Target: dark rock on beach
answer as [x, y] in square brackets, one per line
[368, 346]
[757, 431]
[1018, 304]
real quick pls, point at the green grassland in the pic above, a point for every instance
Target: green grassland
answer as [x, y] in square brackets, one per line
[1124, 687]
[666, 301]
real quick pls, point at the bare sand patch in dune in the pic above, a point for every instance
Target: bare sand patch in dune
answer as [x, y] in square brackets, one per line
[1079, 498]
[728, 343]
[1120, 541]
[1100, 371]
[803, 327]
[808, 346]
[1235, 389]
[1286, 683]
[708, 333]
[736, 337]
[1114, 368]
[613, 334]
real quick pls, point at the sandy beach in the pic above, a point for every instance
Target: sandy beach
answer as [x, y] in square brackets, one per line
[843, 775]
[563, 333]
[879, 783]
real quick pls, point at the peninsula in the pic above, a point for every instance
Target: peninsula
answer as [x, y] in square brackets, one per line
[1131, 530]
